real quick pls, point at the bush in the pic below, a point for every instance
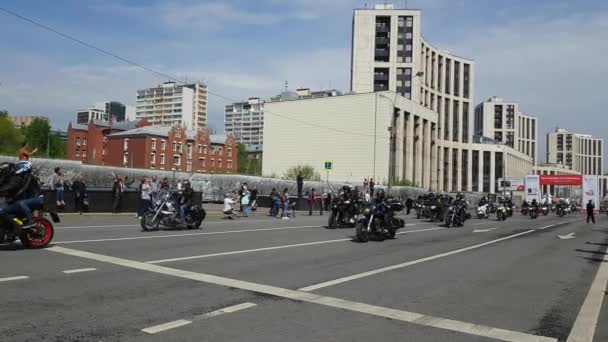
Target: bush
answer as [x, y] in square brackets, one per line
[308, 172]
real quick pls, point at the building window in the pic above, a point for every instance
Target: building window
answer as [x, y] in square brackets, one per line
[230, 152]
[77, 153]
[153, 144]
[202, 162]
[178, 133]
[125, 158]
[176, 160]
[200, 148]
[498, 116]
[219, 150]
[163, 145]
[179, 147]
[205, 149]
[77, 141]
[126, 144]
[84, 141]
[162, 159]
[229, 164]
[219, 163]
[153, 158]
[174, 146]
[189, 167]
[84, 153]
[189, 150]
[212, 163]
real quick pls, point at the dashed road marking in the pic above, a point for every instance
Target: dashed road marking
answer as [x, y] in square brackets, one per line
[80, 270]
[378, 311]
[13, 278]
[271, 248]
[167, 326]
[226, 310]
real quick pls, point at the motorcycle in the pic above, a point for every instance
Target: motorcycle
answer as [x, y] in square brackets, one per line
[166, 213]
[455, 216]
[37, 236]
[560, 211]
[501, 213]
[534, 213]
[482, 212]
[343, 213]
[379, 221]
[544, 210]
[525, 211]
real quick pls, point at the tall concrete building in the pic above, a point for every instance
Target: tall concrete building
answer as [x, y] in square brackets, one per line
[116, 110]
[83, 117]
[503, 123]
[580, 152]
[245, 120]
[170, 104]
[408, 119]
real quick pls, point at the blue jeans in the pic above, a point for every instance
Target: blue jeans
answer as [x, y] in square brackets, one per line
[59, 192]
[26, 206]
[182, 212]
[245, 210]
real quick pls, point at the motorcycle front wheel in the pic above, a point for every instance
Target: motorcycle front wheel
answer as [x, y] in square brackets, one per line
[148, 223]
[332, 223]
[362, 233]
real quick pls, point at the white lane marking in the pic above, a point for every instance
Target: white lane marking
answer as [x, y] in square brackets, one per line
[180, 235]
[137, 225]
[13, 278]
[167, 326]
[418, 261]
[585, 324]
[80, 270]
[203, 256]
[404, 316]
[226, 310]
[484, 230]
[567, 236]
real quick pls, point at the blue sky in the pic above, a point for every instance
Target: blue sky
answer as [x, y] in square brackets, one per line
[549, 55]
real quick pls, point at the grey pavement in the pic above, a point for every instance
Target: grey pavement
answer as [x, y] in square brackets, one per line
[265, 279]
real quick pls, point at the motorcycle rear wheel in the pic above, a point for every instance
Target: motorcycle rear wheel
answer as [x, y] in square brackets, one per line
[41, 236]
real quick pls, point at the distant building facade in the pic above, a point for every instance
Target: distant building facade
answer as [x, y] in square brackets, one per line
[173, 148]
[245, 120]
[24, 121]
[503, 123]
[116, 111]
[170, 104]
[83, 117]
[579, 152]
[88, 143]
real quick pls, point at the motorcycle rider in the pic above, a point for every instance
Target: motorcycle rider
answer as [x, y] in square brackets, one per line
[185, 200]
[22, 190]
[534, 205]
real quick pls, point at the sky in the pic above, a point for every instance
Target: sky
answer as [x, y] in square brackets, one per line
[548, 55]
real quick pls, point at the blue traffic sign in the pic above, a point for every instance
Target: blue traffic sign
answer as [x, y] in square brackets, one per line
[328, 165]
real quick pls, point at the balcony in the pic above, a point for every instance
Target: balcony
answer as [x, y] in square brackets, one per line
[382, 53]
[382, 41]
[383, 28]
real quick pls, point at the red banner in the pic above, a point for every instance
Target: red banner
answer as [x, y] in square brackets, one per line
[561, 179]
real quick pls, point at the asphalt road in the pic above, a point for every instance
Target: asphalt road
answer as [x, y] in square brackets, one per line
[263, 279]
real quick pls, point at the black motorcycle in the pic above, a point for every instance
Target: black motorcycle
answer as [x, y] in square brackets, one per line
[534, 212]
[38, 236]
[344, 213]
[166, 213]
[380, 221]
[456, 215]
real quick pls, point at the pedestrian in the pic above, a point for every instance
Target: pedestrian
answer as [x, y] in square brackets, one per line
[409, 203]
[145, 196]
[300, 183]
[58, 184]
[274, 205]
[285, 205]
[245, 203]
[154, 188]
[371, 187]
[590, 211]
[117, 193]
[312, 197]
[80, 193]
[25, 153]
[253, 198]
[328, 200]
[365, 184]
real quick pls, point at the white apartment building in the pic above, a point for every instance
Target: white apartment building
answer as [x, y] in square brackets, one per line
[580, 152]
[245, 120]
[170, 104]
[85, 116]
[503, 123]
[408, 119]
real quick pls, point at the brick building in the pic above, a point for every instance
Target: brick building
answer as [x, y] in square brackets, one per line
[172, 148]
[88, 143]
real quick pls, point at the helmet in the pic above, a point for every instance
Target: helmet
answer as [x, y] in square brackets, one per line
[186, 183]
[23, 167]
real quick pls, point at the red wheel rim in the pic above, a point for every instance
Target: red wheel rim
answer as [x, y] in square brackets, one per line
[46, 237]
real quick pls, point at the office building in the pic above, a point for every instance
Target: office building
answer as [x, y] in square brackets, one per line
[171, 104]
[579, 152]
[503, 123]
[116, 111]
[245, 120]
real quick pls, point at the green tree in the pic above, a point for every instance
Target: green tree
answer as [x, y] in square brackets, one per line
[38, 135]
[10, 137]
[308, 172]
[246, 165]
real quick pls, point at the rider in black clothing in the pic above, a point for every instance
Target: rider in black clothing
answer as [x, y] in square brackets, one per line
[185, 200]
[22, 190]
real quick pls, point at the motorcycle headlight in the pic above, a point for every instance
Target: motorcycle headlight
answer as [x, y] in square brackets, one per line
[433, 207]
[366, 211]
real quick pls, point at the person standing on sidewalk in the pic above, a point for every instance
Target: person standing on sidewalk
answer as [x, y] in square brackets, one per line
[371, 187]
[253, 199]
[146, 197]
[590, 211]
[80, 192]
[117, 192]
[245, 203]
[300, 183]
[312, 197]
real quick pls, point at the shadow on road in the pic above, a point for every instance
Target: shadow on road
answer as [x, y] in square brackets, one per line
[592, 252]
